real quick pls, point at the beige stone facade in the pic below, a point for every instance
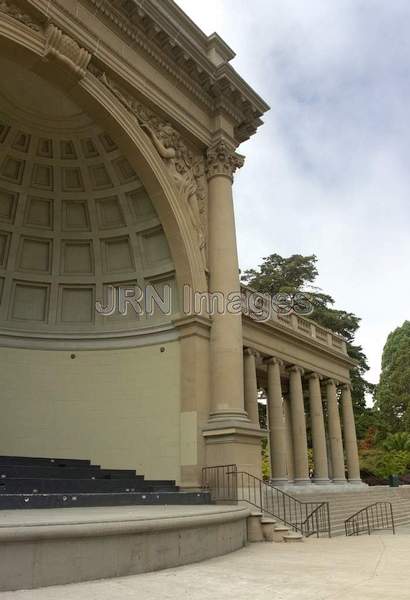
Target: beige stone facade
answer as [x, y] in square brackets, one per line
[119, 128]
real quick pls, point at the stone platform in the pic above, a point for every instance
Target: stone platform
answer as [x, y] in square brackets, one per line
[46, 547]
[364, 568]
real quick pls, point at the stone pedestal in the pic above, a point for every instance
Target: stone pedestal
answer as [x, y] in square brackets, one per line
[229, 443]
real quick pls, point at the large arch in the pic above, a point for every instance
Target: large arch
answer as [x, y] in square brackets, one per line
[80, 388]
[134, 143]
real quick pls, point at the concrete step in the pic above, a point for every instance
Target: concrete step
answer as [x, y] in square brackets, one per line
[279, 532]
[268, 528]
[24, 501]
[292, 537]
[33, 461]
[66, 472]
[343, 505]
[70, 486]
[337, 515]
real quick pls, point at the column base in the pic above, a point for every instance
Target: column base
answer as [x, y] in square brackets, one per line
[228, 415]
[321, 481]
[278, 482]
[339, 481]
[303, 482]
[357, 482]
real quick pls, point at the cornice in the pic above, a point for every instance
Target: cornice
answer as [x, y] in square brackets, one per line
[197, 62]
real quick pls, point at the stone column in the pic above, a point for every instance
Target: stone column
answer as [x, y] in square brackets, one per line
[349, 434]
[290, 462]
[317, 423]
[250, 385]
[230, 436]
[227, 391]
[277, 427]
[298, 426]
[335, 433]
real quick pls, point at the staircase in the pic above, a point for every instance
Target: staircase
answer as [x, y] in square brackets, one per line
[57, 482]
[302, 516]
[344, 504]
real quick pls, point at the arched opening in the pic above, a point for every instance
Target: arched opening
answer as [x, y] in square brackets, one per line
[77, 215]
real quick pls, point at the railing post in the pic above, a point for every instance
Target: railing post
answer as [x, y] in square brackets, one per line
[367, 519]
[328, 520]
[392, 519]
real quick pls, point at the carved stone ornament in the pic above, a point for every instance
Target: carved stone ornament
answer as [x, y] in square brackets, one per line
[64, 48]
[10, 9]
[222, 160]
[187, 171]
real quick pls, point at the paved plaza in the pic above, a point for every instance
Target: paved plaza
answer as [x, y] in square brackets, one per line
[365, 568]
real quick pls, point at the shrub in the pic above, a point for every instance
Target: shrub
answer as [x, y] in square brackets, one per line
[397, 441]
[394, 462]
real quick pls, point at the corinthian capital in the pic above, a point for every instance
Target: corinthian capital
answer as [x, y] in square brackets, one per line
[222, 160]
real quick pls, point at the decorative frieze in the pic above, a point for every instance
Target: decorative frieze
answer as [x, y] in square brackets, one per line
[186, 169]
[222, 160]
[12, 10]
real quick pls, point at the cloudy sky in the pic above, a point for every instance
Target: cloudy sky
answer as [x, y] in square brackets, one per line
[329, 171]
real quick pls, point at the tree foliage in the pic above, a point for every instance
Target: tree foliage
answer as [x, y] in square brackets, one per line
[397, 441]
[395, 462]
[393, 391]
[297, 273]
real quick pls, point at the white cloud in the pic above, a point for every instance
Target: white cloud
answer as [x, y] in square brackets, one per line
[331, 162]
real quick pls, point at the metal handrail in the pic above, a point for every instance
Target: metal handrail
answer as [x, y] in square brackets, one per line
[227, 484]
[375, 517]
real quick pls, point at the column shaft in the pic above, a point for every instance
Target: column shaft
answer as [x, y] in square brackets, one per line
[317, 423]
[250, 386]
[335, 433]
[349, 433]
[290, 460]
[277, 427]
[298, 426]
[226, 358]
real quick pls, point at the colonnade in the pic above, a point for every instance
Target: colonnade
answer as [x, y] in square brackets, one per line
[331, 411]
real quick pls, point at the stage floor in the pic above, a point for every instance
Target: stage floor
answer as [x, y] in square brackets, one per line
[106, 514]
[42, 547]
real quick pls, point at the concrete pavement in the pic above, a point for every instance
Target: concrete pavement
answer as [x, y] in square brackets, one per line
[369, 568]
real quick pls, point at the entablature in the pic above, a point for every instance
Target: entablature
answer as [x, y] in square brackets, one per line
[154, 48]
[284, 341]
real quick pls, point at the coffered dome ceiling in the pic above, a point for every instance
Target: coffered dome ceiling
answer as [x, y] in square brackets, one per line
[74, 216]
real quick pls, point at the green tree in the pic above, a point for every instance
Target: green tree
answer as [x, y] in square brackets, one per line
[395, 462]
[397, 441]
[297, 273]
[392, 395]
